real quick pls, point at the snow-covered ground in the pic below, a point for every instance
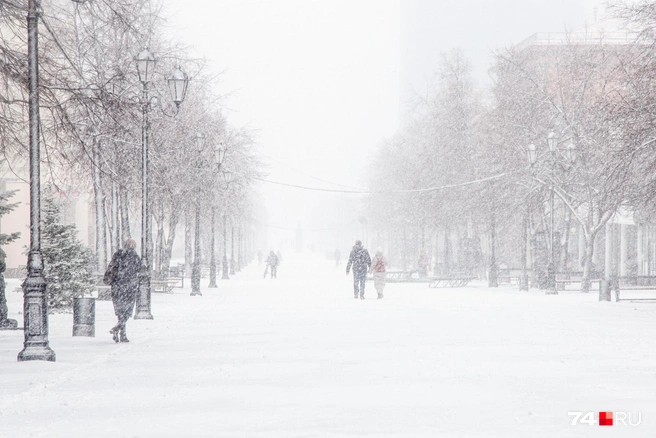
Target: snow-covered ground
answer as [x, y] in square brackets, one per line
[299, 357]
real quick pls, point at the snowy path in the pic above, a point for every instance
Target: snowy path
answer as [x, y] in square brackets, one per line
[299, 357]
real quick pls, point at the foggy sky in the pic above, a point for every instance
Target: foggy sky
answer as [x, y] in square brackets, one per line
[324, 82]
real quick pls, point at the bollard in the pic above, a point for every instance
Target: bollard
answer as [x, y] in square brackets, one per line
[84, 317]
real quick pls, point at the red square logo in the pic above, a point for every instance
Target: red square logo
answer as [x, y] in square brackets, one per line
[605, 418]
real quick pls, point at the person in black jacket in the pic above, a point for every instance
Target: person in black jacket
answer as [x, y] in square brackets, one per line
[124, 272]
[360, 260]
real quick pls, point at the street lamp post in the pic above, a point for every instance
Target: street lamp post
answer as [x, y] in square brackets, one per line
[523, 280]
[35, 307]
[212, 284]
[145, 65]
[177, 82]
[219, 154]
[227, 176]
[195, 269]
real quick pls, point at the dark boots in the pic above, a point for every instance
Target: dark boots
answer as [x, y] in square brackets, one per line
[114, 333]
[118, 332]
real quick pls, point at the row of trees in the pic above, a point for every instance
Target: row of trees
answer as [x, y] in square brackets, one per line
[91, 119]
[594, 92]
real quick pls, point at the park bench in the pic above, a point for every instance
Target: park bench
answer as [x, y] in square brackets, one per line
[407, 277]
[177, 275]
[163, 286]
[562, 284]
[644, 285]
[454, 280]
[564, 279]
[398, 276]
[451, 281]
[104, 292]
[509, 275]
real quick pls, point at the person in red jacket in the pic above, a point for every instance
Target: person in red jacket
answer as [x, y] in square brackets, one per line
[378, 268]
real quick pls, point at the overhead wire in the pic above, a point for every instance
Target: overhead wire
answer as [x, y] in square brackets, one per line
[370, 192]
[306, 174]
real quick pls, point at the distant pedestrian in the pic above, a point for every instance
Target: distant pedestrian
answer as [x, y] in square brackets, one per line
[378, 268]
[123, 275]
[260, 257]
[338, 257]
[272, 264]
[422, 264]
[361, 262]
[279, 255]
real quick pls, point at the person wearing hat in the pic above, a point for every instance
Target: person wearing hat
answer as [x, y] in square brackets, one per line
[123, 275]
[361, 262]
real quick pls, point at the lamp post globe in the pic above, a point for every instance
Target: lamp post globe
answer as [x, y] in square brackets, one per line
[572, 153]
[219, 154]
[145, 65]
[178, 82]
[551, 141]
[532, 154]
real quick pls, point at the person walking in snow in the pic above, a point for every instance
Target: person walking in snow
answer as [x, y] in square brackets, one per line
[361, 262]
[272, 263]
[123, 275]
[260, 256]
[422, 265]
[378, 268]
[338, 257]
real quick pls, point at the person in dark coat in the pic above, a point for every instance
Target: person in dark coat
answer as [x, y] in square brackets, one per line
[272, 263]
[360, 260]
[126, 266]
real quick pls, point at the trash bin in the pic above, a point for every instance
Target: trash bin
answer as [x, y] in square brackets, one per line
[84, 317]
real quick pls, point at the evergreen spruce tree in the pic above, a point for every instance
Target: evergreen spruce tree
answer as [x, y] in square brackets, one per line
[5, 208]
[68, 269]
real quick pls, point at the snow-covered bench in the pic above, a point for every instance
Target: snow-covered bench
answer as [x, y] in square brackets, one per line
[164, 286]
[406, 277]
[640, 288]
[451, 281]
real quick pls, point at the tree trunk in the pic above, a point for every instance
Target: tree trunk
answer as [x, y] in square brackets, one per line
[116, 227]
[168, 248]
[587, 262]
[523, 281]
[125, 219]
[564, 243]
